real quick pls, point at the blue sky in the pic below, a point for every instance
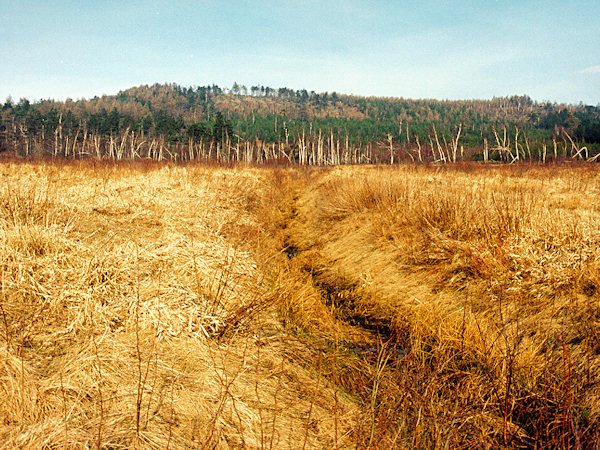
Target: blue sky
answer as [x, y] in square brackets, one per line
[468, 49]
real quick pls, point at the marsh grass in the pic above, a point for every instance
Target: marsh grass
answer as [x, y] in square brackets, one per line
[162, 306]
[489, 275]
[129, 320]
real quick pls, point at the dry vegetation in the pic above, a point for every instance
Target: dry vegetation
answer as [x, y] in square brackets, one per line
[125, 317]
[159, 306]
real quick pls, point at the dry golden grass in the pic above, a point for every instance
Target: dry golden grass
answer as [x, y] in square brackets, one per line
[129, 320]
[159, 306]
[489, 278]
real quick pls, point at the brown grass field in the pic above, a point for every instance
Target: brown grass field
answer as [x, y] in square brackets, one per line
[149, 305]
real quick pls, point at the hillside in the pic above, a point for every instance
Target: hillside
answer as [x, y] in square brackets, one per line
[259, 124]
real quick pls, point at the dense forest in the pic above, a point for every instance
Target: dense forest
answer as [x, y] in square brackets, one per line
[261, 124]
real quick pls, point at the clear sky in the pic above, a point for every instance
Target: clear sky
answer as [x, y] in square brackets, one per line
[440, 49]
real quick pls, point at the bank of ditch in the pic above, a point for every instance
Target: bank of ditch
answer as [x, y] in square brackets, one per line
[415, 343]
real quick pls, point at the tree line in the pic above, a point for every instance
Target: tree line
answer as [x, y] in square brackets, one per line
[261, 124]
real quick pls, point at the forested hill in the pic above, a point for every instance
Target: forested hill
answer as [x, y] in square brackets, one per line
[295, 121]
